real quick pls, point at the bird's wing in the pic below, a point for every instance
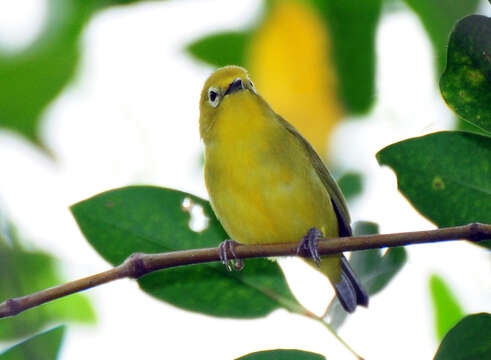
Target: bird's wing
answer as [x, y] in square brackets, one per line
[332, 187]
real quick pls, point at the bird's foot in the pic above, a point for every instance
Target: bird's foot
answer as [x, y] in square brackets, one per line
[228, 257]
[310, 245]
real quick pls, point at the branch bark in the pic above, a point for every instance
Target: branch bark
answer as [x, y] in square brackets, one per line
[139, 264]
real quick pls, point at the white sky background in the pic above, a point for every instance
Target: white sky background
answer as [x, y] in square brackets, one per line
[131, 116]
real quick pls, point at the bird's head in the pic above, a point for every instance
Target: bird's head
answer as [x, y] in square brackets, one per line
[219, 90]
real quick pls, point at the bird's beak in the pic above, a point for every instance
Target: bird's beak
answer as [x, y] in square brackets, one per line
[235, 86]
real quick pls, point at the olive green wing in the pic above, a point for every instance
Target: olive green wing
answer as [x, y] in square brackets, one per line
[349, 289]
[332, 187]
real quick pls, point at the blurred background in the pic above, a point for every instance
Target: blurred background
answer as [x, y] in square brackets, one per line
[100, 94]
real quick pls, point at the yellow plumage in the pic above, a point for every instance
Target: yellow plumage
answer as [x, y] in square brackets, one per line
[266, 183]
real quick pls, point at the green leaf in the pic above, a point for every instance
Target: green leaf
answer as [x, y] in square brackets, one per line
[445, 175]
[463, 125]
[468, 340]
[282, 355]
[352, 25]
[148, 219]
[221, 49]
[438, 18]
[23, 272]
[374, 270]
[43, 346]
[365, 228]
[446, 307]
[466, 83]
[351, 184]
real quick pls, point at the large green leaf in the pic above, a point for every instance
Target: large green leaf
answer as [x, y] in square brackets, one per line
[44, 346]
[445, 175]
[282, 355]
[438, 18]
[352, 25]
[32, 78]
[148, 219]
[221, 49]
[23, 272]
[373, 269]
[466, 83]
[468, 340]
[446, 308]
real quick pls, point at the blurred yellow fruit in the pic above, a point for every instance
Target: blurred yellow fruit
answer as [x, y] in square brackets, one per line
[290, 62]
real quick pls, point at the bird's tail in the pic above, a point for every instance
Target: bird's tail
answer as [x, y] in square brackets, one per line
[348, 288]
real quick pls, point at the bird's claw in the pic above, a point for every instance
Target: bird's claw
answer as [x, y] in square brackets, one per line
[231, 262]
[310, 245]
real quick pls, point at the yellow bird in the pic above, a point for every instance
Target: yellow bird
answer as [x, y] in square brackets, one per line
[266, 182]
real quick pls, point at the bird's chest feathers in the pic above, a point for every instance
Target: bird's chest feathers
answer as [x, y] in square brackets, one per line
[260, 180]
[246, 154]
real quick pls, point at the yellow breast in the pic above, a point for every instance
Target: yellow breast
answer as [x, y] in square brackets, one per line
[261, 183]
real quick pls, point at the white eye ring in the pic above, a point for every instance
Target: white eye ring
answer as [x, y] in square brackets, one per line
[253, 88]
[213, 96]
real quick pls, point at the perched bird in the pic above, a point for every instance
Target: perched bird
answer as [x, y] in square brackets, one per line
[266, 182]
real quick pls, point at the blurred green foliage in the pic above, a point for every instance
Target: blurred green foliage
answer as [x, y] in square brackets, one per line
[351, 184]
[468, 340]
[377, 268]
[447, 311]
[44, 346]
[23, 272]
[210, 49]
[445, 175]
[351, 25]
[32, 78]
[148, 219]
[466, 82]
[373, 268]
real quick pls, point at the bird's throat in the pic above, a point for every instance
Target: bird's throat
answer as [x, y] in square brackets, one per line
[241, 117]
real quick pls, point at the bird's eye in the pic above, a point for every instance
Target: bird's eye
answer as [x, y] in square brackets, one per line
[213, 97]
[252, 86]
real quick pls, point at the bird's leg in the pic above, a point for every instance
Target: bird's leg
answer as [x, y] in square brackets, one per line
[225, 248]
[310, 244]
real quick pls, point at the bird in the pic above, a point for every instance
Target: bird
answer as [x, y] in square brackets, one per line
[266, 183]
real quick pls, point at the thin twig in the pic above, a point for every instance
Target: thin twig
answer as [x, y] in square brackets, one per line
[140, 264]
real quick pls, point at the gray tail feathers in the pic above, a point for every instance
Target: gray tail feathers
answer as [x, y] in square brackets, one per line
[349, 290]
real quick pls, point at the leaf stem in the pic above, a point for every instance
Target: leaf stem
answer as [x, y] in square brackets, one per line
[340, 339]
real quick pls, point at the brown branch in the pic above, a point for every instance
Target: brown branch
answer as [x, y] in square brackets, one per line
[140, 264]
